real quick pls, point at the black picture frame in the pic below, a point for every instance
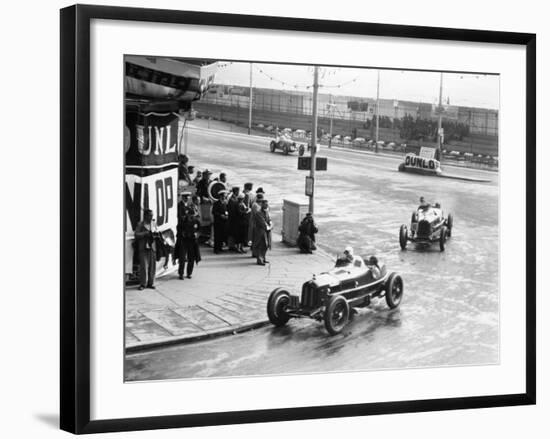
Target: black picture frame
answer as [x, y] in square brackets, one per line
[75, 217]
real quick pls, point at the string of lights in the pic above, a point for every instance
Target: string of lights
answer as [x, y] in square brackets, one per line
[308, 86]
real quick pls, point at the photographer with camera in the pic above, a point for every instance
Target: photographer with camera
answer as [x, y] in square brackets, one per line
[146, 233]
[307, 230]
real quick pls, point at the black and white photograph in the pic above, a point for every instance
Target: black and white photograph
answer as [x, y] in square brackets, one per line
[285, 219]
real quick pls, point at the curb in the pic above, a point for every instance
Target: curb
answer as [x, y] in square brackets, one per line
[184, 339]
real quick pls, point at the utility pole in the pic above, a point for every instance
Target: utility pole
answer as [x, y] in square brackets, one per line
[250, 103]
[331, 115]
[440, 110]
[314, 136]
[377, 110]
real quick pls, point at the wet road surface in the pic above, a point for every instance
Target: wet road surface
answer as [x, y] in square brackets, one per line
[449, 313]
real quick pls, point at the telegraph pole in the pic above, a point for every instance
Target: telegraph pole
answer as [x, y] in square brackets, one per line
[250, 103]
[440, 110]
[314, 135]
[377, 110]
[331, 115]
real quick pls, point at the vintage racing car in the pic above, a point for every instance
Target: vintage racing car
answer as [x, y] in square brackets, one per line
[332, 296]
[283, 143]
[428, 225]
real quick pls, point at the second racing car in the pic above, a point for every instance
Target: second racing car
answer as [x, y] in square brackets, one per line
[428, 226]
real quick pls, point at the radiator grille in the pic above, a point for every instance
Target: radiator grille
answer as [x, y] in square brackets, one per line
[424, 229]
[310, 297]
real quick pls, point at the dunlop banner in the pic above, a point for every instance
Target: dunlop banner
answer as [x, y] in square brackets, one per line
[151, 177]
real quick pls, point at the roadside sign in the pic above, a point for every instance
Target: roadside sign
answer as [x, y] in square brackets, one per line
[304, 163]
[427, 153]
[309, 186]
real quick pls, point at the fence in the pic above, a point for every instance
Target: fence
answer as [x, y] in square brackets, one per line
[467, 129]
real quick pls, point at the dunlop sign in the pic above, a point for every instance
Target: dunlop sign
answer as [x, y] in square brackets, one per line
[425, 165]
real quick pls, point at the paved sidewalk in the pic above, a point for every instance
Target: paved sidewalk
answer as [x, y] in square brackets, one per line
[227, 294]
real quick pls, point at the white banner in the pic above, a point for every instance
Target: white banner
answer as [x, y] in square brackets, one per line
[157, 192]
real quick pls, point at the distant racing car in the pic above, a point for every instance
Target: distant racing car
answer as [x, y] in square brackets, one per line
[283, 143]
[428, 225]
[332, 296]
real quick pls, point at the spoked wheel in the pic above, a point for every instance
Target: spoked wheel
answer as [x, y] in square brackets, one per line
[394, 290]
[449, 225]
[276, 304]
[272, 146]
[301, 150]
[336, 314]
[443, 238]
[403, 236]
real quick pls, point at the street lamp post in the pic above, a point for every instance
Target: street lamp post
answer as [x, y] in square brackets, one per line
[250, 103]
[377, 110]
[331, 115]
[440, 111]
[314, 135]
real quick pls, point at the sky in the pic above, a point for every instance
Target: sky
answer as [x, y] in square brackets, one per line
[463, 89]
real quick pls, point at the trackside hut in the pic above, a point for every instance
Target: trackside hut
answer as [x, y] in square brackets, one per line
[159, 94]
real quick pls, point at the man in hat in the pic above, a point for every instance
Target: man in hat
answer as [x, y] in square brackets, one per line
[146, 233]
[307, 230]
[242, 223]
[247, 190]
[183, 203]
[198, 177]
[220, 214]
[262, 232]
[424, 205]
[202, 186]
[233, 219]
[187, 247]
[256, 207]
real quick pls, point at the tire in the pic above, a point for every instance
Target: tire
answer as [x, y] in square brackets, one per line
[272, 146]
[401, 167]
[449, 225]
[413, 218]
[278, 299]
[285, 149]
[394, 290]
[301, 150]
[442, 238]
[403, 236]
[336, 314]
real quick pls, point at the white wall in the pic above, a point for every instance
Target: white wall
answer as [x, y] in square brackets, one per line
[29, 319]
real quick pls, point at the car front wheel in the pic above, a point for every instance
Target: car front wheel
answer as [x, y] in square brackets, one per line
[394, 290]
[272, 146]
[442, 238]
[276, 304]
[403, 237]
[336, 314]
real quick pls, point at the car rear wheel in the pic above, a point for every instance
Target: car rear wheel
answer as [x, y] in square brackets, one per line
[403, 236]
[442, 238]
[394, 290]
[449, 225]
[272, 146]
[276, 304]
[414, 217]
[285, 149]
[336, 314]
